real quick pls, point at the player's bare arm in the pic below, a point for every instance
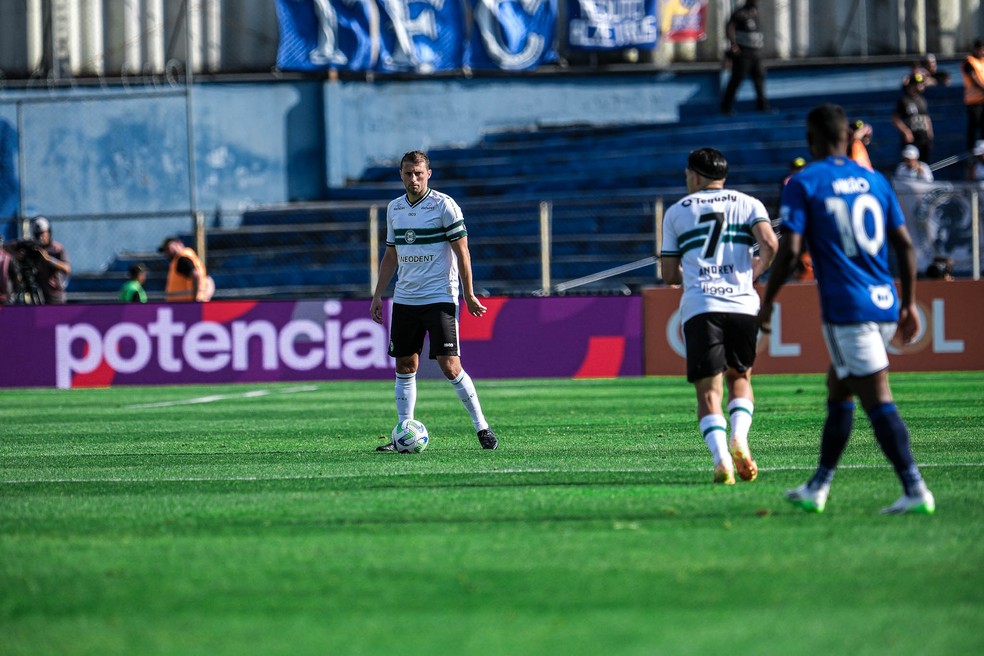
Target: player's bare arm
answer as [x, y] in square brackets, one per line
[768, 245]
[785, 261]
[672, 273]
[387, 267]
[460, 248]
[906, 256]
[61, 265]
[196, 282]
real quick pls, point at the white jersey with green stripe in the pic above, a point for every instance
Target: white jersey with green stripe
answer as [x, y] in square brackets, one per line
[711, 232]
[422, 232]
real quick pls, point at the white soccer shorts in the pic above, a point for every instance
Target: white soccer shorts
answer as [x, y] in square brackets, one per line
[858, 349]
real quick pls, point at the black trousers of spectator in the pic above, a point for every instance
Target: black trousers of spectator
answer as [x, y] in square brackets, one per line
[975, 124]
[745, 62]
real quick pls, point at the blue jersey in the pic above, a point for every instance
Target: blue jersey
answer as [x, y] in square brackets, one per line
[845, 212]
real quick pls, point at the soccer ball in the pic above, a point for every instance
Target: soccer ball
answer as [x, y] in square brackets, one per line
[410, 436]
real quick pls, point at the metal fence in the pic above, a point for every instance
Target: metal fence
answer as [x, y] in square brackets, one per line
[589, 244]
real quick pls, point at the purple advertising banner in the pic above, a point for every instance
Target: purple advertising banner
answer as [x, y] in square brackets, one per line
[249, 341]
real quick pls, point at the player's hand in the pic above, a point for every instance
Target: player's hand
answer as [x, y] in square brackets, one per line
[765, 318]
[376, 310]
[475, 307]
[909, 324]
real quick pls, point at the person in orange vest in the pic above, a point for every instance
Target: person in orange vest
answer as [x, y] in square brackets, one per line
[860, 137]
[186, 277]
[973, 75]
[804, 268]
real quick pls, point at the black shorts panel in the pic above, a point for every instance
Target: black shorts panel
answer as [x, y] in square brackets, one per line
[409, 324]
[717, 341]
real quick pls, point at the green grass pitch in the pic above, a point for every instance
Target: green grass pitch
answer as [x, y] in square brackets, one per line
[258, 519]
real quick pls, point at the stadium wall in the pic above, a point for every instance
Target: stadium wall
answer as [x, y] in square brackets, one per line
[559, 337]
[951, 314]
[90, 158]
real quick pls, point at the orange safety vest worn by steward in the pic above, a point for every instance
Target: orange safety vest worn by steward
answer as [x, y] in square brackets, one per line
[859, 154]
[973, 94]
[179, 287]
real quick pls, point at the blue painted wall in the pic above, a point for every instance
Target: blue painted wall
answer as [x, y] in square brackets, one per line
[115, 153]
[89, 153]
[373, 122]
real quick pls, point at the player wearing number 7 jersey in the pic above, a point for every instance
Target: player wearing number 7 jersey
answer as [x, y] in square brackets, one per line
[708, 240]
[848, 216]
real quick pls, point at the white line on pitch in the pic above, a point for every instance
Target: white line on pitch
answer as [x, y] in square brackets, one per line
[313, 477]
[224, 397]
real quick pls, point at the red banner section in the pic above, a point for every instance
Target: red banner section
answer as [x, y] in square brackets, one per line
[951, 313]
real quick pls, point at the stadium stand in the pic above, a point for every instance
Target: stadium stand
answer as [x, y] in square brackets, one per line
[602, 184]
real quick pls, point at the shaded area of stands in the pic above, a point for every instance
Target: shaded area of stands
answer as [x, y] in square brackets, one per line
[602, 184]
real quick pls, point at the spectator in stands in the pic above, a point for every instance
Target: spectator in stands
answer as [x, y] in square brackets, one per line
[132, 290]
[976, 170]
[795, 166]
[910, 168]
[746, 41]
[43, 265]
[928, 69]
[187, 279]
[804, 268]
[934, 76]
[973, 75]
[911, 117]
[860, 137]
[941, 268]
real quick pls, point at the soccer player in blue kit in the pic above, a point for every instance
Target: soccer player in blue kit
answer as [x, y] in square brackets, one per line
[848, 216]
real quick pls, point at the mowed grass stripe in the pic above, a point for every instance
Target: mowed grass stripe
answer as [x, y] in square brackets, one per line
[404, 475]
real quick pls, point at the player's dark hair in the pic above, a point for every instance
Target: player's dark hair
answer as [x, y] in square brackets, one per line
[708, 163]
[415, 156]
[827, 122]
[136, 270]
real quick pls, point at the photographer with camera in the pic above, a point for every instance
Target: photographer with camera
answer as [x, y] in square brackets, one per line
[43, 265]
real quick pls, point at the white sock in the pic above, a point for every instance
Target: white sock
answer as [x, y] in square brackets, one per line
[406, 395]
[465, 390]
[741, 420]
[715, 431]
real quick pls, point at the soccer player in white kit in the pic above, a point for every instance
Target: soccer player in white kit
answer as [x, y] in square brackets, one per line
[707, 245]
[427, 247]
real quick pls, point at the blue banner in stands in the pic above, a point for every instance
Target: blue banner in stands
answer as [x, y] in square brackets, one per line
[318, 35]
[512, 35]
[420, 37]
[612, 25]
[370, 35]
